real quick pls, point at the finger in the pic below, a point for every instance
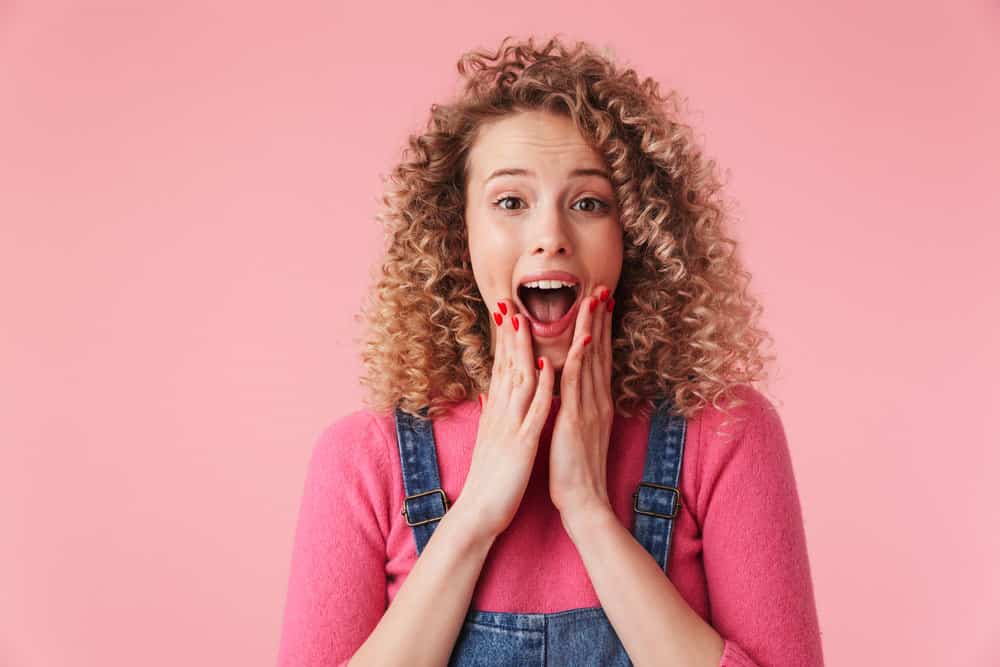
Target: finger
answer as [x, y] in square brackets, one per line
[590, 390]
[587, 395]
[589, 386]
[523, 370]
[601, 313]
[607, 360]
[541, 402]
[497, 395]
[570, 383]
[593, 362]
[599, 365]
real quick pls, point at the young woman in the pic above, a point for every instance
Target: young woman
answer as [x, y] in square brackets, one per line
[559, 314]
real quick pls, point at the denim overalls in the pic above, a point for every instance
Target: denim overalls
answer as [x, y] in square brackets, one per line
[576, 637]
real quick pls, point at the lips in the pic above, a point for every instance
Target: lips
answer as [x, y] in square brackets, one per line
[550, 329]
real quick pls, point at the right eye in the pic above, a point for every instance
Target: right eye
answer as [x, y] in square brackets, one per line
[499, 202]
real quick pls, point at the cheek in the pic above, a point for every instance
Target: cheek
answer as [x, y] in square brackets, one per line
[492, 271]
[493, 256]
[605, 255]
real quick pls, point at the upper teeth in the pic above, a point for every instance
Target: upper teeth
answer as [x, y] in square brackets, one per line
[549, 284]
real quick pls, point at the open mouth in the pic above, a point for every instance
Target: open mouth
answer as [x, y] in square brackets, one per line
[549, 300]
[546, 304]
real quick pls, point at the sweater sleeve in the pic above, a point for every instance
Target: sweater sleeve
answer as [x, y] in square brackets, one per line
[754, 547]
[337, 585]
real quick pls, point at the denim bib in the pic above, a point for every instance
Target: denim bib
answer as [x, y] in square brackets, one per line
[577, 637]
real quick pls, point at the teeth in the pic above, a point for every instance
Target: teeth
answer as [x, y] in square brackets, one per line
[548, 284]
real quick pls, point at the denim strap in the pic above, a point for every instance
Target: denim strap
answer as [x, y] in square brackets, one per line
[418, 460]
[664, 453]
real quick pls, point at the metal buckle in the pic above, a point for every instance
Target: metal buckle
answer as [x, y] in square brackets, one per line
[677, 500]
[444, 499]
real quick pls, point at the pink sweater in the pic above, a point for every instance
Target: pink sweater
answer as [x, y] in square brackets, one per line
[738, 554]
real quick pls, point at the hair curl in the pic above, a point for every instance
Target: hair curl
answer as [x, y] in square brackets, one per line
[684, 325]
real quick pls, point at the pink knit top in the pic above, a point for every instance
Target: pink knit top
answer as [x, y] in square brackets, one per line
[738, 555]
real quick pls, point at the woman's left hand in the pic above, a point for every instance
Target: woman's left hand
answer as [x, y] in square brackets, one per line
[578, 457]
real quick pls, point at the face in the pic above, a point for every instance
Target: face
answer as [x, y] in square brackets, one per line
[546, 217]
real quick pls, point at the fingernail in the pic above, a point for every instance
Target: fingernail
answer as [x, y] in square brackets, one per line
[541, 363]
[593, 305]
[480, 400]
[611, 304]
[604, 294]
[514, 322]
[586, 341]
[502, 306]
[498, 318]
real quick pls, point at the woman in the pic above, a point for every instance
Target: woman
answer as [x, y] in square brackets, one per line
[556, 250]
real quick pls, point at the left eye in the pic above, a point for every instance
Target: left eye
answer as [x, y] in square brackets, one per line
[601, 205]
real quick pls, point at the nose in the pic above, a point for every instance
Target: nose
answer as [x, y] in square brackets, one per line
[551, 234]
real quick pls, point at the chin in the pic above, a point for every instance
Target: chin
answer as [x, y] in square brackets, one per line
[555, 352]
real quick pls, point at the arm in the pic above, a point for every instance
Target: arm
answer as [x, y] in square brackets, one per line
[755, 560]
[754, 544]
[337, 587]
[423, 622]
[637, 598]
[335, 612]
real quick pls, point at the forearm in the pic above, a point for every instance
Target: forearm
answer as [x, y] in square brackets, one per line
[654, 622]
[422, 623]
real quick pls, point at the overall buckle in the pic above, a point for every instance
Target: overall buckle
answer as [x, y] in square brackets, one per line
[444, 499]
[677, 500]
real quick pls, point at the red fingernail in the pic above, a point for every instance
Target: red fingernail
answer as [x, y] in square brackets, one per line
[498, 318]
[502, 306]
[604, 294]
[480, 400]
[541, 363]
[586, 341]
[611, 304]
[593, 305]
[514, 322]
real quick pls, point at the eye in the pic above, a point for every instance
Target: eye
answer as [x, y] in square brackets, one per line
[497, 203]
[602, 205]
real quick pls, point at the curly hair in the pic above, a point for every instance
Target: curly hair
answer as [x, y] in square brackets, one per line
[684, 325]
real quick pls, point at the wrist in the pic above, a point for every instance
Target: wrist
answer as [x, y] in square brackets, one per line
[470, 524]
[585, 516]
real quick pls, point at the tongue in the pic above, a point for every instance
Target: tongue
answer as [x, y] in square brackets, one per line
[550, 304]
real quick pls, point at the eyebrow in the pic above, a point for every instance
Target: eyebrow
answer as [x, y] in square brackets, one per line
[513, 171]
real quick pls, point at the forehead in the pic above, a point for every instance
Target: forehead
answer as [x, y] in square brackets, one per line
[542, 142]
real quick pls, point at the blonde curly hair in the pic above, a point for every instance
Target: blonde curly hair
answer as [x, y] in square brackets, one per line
[684, 325]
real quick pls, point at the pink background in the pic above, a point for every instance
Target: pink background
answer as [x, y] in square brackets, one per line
[187, 196]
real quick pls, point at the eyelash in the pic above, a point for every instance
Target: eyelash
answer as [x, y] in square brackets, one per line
[496, 204]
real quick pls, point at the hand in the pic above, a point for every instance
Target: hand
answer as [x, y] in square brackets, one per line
[514, 413]
[582, 431]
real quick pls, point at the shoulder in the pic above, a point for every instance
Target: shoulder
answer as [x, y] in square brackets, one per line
[356, 438]
[741, 447]
[731, 425]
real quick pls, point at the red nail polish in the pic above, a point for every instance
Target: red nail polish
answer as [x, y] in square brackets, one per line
[593, 305]
[611, 304]
[604, 294]
[586, 341]
[502, 306]
[480, 400]
[514, 322]
[498, 318]
[541, 363]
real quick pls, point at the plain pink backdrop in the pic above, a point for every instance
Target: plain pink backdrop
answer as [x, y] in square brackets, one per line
[187, 199]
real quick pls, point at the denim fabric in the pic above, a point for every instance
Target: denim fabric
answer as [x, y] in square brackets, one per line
[577, 637]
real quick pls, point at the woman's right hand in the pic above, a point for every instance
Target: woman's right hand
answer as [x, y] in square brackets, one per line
[514, 412]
